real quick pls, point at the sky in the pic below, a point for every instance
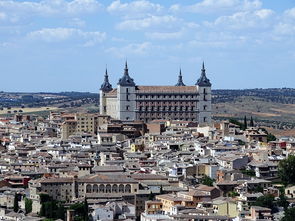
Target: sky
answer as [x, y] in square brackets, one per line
[66, 45]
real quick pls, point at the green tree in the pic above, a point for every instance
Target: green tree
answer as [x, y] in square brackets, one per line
[236, 122]
[60, 211]
[15, 203]
[44, 197]
[86, 210]
[42, 210]
[251, 122]
[270, 137]
[245, 123]
[289, 215]
[51, 209]
[80, 214]
[282, 201]
[286, 170]
[248, 172]
[258, 189]
[28, 205]
[233, 194]
[151, 196]
[207, 181]
[265, 201]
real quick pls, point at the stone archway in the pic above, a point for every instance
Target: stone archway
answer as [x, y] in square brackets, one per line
[88, 188]
[115, 188]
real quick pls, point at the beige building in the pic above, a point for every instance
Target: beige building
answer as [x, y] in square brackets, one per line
[225, 207]
[83, 122]
[255, 134]
[100, 186]
[188, 199]
[153, 207]
[290, 192]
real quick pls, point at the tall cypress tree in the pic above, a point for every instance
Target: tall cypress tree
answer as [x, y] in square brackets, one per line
[245, 123]
[15, 203]
[251, 122]
[86, 210]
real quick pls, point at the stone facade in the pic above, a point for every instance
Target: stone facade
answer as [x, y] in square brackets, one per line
[82, 122]
[129, 102]
[91, 187]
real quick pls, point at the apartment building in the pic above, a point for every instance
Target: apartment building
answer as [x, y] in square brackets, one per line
[83, 122]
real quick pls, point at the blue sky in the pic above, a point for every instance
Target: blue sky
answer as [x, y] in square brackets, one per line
[65, 45]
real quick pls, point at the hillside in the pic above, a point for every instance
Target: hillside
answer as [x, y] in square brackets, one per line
[274, 107]
[271, 107]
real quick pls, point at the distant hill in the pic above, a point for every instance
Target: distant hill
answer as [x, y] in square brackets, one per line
[274, 107]
[277, 95]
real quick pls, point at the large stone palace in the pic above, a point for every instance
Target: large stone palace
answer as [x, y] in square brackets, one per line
[130, 102]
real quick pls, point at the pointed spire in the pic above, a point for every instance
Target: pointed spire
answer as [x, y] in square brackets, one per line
[126, 80]
[203, 80]
[203, 70]
[106, 74]
[126, 68]
[106, 86]
[180, 81]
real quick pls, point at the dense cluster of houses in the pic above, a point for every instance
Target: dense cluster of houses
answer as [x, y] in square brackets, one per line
[161, 170]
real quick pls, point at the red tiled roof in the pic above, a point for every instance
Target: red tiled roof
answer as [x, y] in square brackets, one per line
[178, 89]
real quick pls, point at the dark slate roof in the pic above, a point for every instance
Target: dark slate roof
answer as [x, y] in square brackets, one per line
[180, 81]
[203, 80]
[126, 80]
[106, 86]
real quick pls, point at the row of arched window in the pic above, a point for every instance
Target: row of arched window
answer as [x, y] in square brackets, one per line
[108, 188]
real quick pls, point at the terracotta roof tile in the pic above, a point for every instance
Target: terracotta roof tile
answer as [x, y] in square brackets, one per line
[179, 89]
[112, 92]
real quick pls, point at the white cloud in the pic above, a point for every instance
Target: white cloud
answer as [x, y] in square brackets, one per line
[175, 7]
[135, 49]
[286, 25]
[217, 6]
[62, 34]
[151, 21]
[247, 19]
[134, 8]
[284, 29]
[217, 39]
[81, 6]
[290, 13]
[251, 4]
[207, 44]
[2, 16]
[164, 35]
[77, 22]
[264, 13]
[49, 7]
